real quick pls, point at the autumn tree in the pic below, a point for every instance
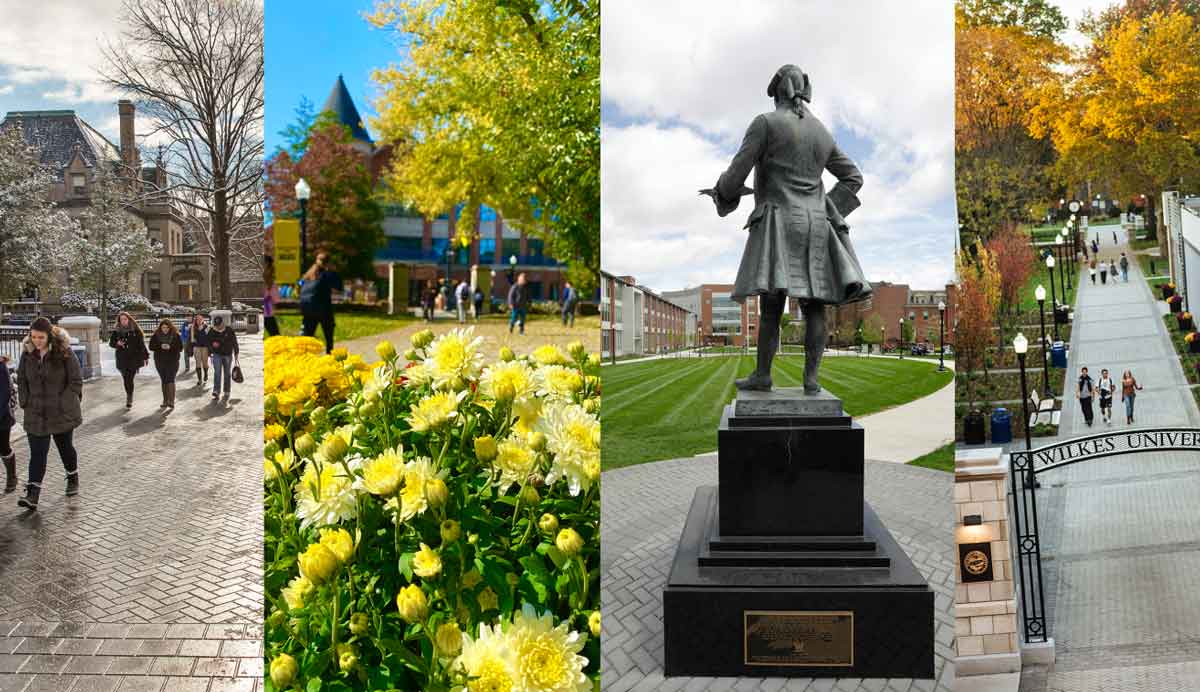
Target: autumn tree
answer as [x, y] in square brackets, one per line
[34, 234]
[1128, 114]
[196, 67]
[975, 317]
[343, 215]
[498, 103]
[1034, 17]
[1015, 261]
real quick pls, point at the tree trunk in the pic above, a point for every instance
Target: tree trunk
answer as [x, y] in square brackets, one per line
[220, 235]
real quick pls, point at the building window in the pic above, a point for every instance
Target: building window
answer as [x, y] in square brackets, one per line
[78, 183]
[154, 282]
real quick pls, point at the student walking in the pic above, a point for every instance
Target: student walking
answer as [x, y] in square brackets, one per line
[50, 387]
[518, 303]
[1103, 272]
[130, 345]
[1084, 392]
[8, 418]
[1092, 270]
[270, 297]
[316, 299]
[198, 343]
[224, 347]
[462, 300]
[570, 298]
[166, 345]
[1106, 388]
[1129, 390]
[428, 298]
[478, 300]
[1124, 268]
[185, 337]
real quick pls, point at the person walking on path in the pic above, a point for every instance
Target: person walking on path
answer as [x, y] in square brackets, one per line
[1106, 388]
[1124, 268]
[270, 297]
[198, 343]
[185, 336]
[462, 300]
[8, 418]
[1084, 392]
[442, 301]
[166, 345]
[518, 303]
[130, 345]
[570, 298]
[50, 387]
[1129, 390]
[1092, 270]
[1114, 237]
[224, 346]
[1112, 271]
[316, 299]
[428, 298]
[1103, 272]
[478, 300]
[1096, 245]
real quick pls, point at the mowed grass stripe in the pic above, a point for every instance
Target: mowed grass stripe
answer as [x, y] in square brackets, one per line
[667, 409]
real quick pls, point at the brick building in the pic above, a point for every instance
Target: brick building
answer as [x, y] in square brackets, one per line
[721, 320]
[639, 321]
[890, 302]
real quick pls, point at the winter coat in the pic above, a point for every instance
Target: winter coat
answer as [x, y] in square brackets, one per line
[518, 296]
[6, 395]
[50, 387]
[799, 241]
[199, 337]
[130, 346]
[316, 297]
[167, 358]
[223, 342]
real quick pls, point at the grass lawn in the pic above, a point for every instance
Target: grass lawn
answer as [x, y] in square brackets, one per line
[669, 409]
[350, 325]
[1161, 265]
[941, 459]
[1144, 244]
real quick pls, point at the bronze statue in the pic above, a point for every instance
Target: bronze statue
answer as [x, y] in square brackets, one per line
[799, 243]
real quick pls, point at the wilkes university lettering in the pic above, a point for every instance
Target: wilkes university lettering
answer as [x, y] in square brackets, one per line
[1117, 443]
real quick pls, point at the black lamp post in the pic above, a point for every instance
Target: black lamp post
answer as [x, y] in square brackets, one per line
[1021, 346]
[1040, 294]
[901, 337]
[941, 336]
[882, 339]
[1060, 261]
[1053, 296]
[303, 192]
[1069, 250]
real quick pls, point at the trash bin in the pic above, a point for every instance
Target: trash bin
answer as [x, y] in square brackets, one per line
[1062, 314]
[80, 352]
[1058, 355]
[1001, 426]
[974, 428]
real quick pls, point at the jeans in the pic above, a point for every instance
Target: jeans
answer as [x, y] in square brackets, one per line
[271, 325]
[517, 313]
[39, 450]
[1129, 407]
[309, 328]
[1125, 275]
[568, 314]
[222, 364]
[462, 312]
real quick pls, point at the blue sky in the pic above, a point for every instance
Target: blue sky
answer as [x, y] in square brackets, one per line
[308, 44]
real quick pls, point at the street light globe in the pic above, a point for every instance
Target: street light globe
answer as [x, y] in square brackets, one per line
[1050, 261]
[303, 191]
[941, 306]
[1062, 200]
[1058, 240]
[1021, 344]
[512, 260]
[1040, 293]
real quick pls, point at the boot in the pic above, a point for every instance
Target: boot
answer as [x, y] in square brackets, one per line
[199, 376]
[770, 310]
[814, 347]
[10, 472]
[72, 484]
[128, 401]
[171, 395]
[30, 501]
[164, 393]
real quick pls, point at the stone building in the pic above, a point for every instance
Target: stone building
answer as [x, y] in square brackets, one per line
[74, 151]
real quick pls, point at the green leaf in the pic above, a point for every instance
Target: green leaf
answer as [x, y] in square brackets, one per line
[314, 685]
[406, 655]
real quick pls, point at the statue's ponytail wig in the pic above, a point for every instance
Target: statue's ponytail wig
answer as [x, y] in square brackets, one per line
[791, 86]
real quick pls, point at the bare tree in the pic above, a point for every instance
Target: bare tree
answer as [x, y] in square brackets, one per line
[196, 67]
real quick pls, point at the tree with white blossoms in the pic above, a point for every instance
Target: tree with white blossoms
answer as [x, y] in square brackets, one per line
[33, 233]
[112, 245]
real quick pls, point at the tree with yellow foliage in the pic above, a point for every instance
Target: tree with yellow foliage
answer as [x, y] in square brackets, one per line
[497, 102]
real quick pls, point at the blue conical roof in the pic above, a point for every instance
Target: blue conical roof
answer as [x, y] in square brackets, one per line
[341, 105]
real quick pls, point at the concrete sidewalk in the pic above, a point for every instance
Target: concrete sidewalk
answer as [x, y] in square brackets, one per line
[911, 430]
[150, 578]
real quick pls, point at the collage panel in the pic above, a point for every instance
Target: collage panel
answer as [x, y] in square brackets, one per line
[131, 356]
[1079, 208]
[778, 374]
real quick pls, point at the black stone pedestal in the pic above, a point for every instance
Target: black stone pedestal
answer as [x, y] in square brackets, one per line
[800, 578]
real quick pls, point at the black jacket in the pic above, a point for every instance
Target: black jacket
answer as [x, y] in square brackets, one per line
[222, 343]
[6, 395]
[170, 355]
[50, 387]
[518, 296]
[130, 346]
[316, 297]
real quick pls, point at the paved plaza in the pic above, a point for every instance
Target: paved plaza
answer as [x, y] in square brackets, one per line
[643, 512]
[1121, 536]
[151, 578]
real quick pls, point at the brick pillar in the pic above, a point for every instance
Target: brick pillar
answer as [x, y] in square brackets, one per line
[524, 244]
[426, 235]
[498, 256]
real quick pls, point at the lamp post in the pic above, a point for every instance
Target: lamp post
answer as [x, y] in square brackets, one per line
[901, 337]
[882, 338]
[1021, 346]
[1053, 297]
[941, 336]
[1069, 255]
[1040, 294]
[303, 192]
[512, 269]
[1058, 248]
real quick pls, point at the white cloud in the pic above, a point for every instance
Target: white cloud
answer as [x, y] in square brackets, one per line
[7, 89]
[696, 79]
[57, 44]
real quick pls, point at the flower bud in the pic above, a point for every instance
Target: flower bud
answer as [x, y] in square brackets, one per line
[427, 564]
[360, 431]
[594, 623]
[333, 448]
[369, 409]
[385, 350]
[318, 563]
[537, 441]
[548, 523]
[410, 355]
[412, 604]
[569, 542]
[577, 350]
[437, 493]
[340, 353]
[448, 639]
[270, 403]
[485, 448]
[422, 338]
[276, 619]
[593, 360]
[271, 449]
[488, 600]
[283, 671]
[451, 531]
[319, 416]
[359, 623]
[305, 445]
[512, 578]
[347, 659]
[471, 579]
[506, 354]
[473, 538]
[505, 392]
[529, 495]
[592, 405]
[339, 542]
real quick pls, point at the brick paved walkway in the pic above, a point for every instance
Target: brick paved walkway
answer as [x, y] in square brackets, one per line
[643, 513]
[151, 578]
[1121, 536]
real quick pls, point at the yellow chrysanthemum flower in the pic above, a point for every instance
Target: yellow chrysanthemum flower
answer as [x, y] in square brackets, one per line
[547, 655]
[296, 591]
[454, 358]
[550, 354]
[426, 563]
[514, 460]
[273, 432]
[514, 378]
[488, 662]
[435, 410]
[284, 460]
[559, 382]
[573, 437]
[383, 474]
[324, 495]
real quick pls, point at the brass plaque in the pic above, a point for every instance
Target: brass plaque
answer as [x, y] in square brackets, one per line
[808, 639]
